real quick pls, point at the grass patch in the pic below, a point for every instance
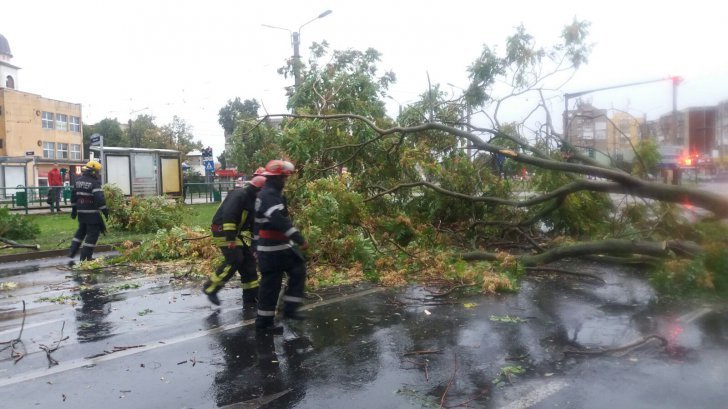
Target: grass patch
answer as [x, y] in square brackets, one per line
[57, 230]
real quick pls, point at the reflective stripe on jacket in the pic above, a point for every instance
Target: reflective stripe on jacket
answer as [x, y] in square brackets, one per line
[273, 227]
[88, 199]
[235, 213]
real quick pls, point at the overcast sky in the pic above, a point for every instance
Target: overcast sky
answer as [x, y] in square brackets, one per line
[123, 58]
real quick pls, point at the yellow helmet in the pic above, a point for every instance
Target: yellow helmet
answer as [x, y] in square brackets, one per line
[93, 165]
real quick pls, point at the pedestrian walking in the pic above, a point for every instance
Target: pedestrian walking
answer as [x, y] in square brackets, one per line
[87, 204]
[232, 231]
[55, 184]
[274, 233]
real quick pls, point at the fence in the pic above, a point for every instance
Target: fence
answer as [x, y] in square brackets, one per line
[30, 197]
[206, 192]
[27, 198]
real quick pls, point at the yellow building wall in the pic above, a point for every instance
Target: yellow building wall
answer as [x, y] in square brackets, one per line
[616, 142]
[22, 132]
[2, 123]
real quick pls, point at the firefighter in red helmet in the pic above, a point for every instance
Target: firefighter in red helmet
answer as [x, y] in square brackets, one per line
[275, 238]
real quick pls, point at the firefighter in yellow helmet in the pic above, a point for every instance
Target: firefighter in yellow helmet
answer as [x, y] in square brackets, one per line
[87, 204]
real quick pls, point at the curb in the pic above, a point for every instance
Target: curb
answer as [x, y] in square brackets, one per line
[35, 255]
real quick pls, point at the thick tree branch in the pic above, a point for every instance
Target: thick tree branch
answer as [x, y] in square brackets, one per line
[625, 183]
[605, 247]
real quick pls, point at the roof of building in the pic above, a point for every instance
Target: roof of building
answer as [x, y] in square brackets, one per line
[5, 46]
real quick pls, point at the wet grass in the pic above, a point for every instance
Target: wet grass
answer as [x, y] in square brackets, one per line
[56, 230]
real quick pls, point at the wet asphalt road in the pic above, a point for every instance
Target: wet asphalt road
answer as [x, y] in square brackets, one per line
[146, 342]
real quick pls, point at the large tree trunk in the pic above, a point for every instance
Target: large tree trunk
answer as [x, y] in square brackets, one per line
[605, 247]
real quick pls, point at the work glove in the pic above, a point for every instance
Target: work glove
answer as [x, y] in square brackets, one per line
[73, 213]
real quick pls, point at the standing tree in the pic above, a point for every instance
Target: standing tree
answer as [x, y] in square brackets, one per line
[178, 135]
[109, 128]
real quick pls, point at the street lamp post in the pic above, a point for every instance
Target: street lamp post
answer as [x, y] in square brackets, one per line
[296, 42]
[468, 116]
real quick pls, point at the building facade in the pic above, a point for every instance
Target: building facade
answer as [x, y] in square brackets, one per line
[35, 132]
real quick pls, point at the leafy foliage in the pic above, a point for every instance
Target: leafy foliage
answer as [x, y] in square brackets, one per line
[16, 227]
[141, 214]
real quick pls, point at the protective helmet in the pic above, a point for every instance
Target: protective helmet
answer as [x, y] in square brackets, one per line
[93, 165]
[259, 171]
[258, 181]
[279, 167]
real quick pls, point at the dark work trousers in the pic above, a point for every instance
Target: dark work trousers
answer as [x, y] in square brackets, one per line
[239, 259]
[272, 267]
[55, 195]
[88, 234]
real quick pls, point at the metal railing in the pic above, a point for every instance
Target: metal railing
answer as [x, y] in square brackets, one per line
[30, 197]
[206, 192]
[27, 198]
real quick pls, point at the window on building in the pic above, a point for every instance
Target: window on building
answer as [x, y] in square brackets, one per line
[49, 150]
[62, 151]
[47, 120]
[10, 82]
[61, 122]
[75, 124]
[75, 151]
[1, 143]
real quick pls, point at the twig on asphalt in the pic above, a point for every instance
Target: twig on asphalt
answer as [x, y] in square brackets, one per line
[450, 290]
[14, 353]
[619, 351]
[423, 352]
[566, 272]
[48, 351]
[424, 365]
[449, 383]
[482, 394]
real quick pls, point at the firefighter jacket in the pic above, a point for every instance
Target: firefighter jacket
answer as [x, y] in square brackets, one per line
[234, 217]
[87, 199]
[274, 230]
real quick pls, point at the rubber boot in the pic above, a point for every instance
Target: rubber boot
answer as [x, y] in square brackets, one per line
[250, 297]
[290, 311]
[267, 325]
[86, 253]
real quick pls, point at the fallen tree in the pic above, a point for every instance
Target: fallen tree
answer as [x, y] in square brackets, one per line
[426, 191]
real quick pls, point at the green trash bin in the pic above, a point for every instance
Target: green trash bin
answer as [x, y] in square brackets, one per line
[66, 194]
[21, 197]
[216, 196]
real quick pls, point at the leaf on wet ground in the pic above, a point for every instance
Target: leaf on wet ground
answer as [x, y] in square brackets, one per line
[8, 285]
[470, 305]
[507, 318]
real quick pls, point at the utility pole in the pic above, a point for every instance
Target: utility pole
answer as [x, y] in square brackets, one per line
[296, 42]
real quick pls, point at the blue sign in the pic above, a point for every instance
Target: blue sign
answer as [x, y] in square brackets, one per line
[209, 166]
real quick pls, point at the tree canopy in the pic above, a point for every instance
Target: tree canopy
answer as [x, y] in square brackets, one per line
[437, 187]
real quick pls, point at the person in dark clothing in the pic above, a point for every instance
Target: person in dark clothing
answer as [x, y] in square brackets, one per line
[232, 231]
[87, 203]
[273, 233]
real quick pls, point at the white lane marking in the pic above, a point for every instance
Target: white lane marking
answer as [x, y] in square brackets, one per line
[537, 395]
[78, 363]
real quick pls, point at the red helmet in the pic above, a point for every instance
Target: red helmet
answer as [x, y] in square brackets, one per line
[279, 167]
[259, 171]
[258, 181]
